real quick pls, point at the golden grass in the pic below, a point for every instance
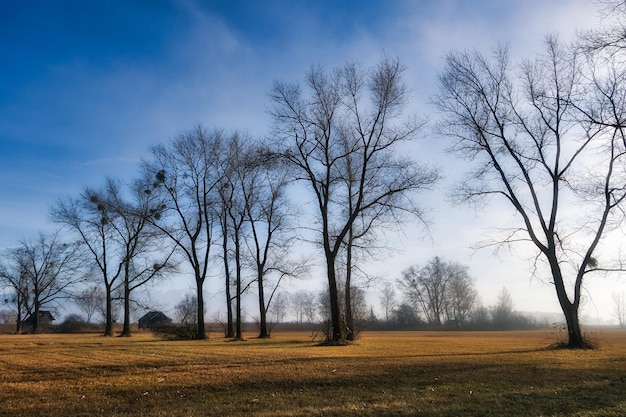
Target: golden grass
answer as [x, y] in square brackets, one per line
[383, 374]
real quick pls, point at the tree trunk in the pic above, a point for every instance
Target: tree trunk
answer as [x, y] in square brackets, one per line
[230, 324]
[263, 331]
[575, 338]
[126, 328]
[18, 324]
[200, 330]
[35, 318]
[21, 303]
[238, 306]
[336, 338]
[229, 333]
[108, 321]
[238, 325]
[350, 332]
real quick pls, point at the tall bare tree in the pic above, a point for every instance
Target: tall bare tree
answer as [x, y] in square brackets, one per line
[349, 112]
[226, 194]
[548, 140]
[270, 217]
[188, 171]
[234, 183]
[144, 256]
[91, 220]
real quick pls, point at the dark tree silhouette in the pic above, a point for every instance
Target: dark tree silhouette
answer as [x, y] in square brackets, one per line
[349, 114]
[188, 173]
[548, 139]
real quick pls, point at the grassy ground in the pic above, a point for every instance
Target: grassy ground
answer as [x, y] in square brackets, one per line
[384, 374]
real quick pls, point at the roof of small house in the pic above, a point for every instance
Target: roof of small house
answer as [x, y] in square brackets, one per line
[42, 314]
[154, 315]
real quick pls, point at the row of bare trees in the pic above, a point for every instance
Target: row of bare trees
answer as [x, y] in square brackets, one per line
[120, 247]
[227, 192]
[415, 309]
[340, 136]
[203, 190]
[210, 195]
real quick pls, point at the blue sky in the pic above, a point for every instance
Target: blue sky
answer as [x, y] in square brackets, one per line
[87, 86]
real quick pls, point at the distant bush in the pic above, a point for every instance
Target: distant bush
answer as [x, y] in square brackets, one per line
[176, 331]
[76, 324]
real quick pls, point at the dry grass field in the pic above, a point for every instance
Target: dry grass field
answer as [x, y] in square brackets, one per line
[383, 374]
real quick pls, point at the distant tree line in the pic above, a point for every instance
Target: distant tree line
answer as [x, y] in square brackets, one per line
[441, 295]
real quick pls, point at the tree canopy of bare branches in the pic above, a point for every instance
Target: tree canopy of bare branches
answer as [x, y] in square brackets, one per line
[42, 272]
[188, 174]
[442, 291]
[545, 136]
[90, 219]
[342, 135]
[271, 218]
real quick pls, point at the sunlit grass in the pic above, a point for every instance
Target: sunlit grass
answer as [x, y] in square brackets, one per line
[390, 373]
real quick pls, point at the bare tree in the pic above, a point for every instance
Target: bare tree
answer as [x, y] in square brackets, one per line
[502, 312]
[460, 293]
[619, 311]
[144, 257]
[427, 287]
[187, 310]
[388, 300]
[303, 304]
[270, 217]
[548, 140]
[225, 193]
[279, 307]
[18, 296]
[235, 221]
[42, 272]
[188, 171]
[91, 220]
[355, 110]
[90, 300]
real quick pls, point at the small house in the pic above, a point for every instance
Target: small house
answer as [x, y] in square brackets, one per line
[154, 319]
[45, 320]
